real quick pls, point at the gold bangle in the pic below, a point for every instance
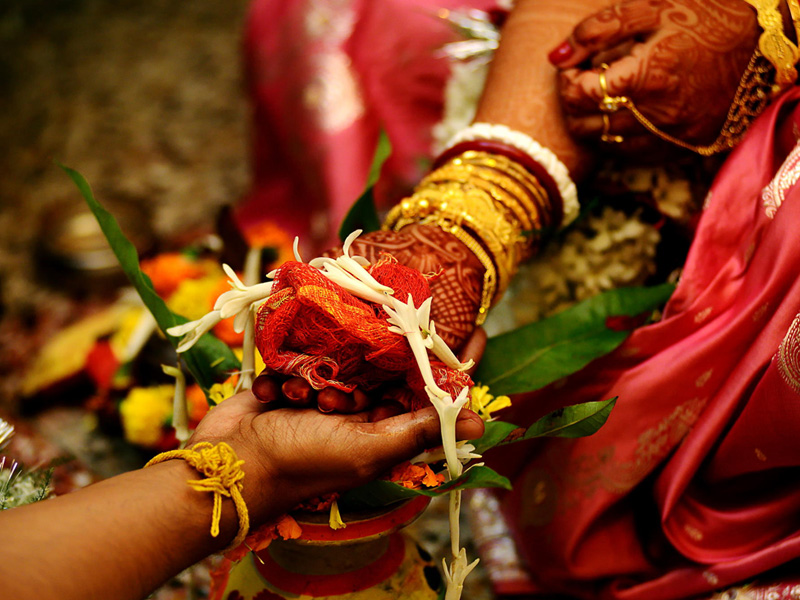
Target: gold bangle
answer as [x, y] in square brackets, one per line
[486, 201]
[223, 477]
[531, 194]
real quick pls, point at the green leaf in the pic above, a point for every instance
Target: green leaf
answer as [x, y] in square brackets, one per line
[363, 214]
[538, 354]
[494, 434]
[209, 350]
[382, 493]
[574, 421]
[578, 420]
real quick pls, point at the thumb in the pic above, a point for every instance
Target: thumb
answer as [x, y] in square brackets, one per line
[406, 435]
[605, 30]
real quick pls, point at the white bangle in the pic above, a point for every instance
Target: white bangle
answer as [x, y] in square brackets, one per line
[524, 143]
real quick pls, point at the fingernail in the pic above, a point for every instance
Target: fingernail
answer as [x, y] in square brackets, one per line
[561, 54]
[265, 389]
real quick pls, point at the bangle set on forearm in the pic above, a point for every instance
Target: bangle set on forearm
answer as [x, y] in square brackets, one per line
[497, 208]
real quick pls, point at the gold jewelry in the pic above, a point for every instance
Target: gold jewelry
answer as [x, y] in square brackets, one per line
[486, 201]
[607, 137]
[773, 43]
[609, 104]
[751, 98]
[223, 477]
[794, 10]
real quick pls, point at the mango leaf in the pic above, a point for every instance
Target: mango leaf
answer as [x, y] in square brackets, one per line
[494, 434]
[578, 420]
[382, 493]
[538, 354]
[363, 214]
[210, 360]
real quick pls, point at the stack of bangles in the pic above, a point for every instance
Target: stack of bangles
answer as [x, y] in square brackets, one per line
[496, 198]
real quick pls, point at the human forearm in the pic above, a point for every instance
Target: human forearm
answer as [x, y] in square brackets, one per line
[120, 538]
[521, 91]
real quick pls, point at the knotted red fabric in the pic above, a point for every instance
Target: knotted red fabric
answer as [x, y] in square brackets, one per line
[313, 328]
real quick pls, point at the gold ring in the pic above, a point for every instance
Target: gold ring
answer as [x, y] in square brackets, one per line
[609, 104]
[608, 137]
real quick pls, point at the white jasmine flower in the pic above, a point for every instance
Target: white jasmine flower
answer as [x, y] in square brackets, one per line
[448, 410]
[240, 298]
[296, 249]
[194, 330]
[457, 573]
[443, 351]
[464, 451]
[180, 412]
[353, 266]
[405, 320]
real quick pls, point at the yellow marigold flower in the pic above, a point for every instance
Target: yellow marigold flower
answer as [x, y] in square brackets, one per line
[194, 296]
[222, 391]
[144, 413]
[485, 403]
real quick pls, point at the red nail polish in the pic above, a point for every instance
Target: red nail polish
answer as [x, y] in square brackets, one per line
[561, 54]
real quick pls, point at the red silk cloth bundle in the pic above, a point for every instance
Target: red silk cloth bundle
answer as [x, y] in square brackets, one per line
[313, 328]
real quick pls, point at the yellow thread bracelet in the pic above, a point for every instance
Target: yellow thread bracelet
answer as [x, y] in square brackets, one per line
[223, 477]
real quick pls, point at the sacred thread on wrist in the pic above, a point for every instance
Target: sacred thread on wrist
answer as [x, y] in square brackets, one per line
[223, 478]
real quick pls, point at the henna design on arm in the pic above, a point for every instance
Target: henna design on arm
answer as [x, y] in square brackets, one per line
[456, 289]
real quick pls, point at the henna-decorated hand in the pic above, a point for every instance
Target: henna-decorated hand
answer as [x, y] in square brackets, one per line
[680, 61]
[456, 292]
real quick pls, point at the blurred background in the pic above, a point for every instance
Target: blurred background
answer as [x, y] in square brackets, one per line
[145, 99]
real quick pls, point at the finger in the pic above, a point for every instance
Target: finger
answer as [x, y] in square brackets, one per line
[423, 426]
[400, 394]
[582, 90]
[332, 400]
[267, 390]
[385, 410]
[591, 128]
[606, 30]
[298, 392]
[473, 348]
[361, 400]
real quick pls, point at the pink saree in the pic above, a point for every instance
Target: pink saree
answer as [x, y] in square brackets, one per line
[693, 484]
[324, 77]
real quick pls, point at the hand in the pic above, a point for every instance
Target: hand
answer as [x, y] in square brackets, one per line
[294, 455]
[456, 291]
[680, 61]
[274, 390]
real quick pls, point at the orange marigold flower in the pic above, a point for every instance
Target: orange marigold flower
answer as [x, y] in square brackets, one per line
[196, 403]
[267, 234]
[415, 476]
[288, 528]
[224, 329]
[168, 270]
[285, 527]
